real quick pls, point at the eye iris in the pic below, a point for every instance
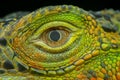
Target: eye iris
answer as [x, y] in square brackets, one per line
[54, 35]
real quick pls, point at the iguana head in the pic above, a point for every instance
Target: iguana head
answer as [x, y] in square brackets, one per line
[54, 40]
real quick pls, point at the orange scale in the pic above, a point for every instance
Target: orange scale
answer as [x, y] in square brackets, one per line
[39, 57]
[103, 70]
[93, 78]
[34, 64]
[99, 78]
[118, 76]
[81, 76]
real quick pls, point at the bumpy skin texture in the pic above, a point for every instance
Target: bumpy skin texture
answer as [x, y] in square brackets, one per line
[85, 46]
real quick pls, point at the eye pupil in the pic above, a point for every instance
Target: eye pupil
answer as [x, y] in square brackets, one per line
[54, 35]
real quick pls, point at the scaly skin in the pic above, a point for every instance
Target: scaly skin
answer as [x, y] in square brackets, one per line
[88, 47]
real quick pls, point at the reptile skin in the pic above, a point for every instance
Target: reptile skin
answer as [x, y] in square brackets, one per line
[60, 43]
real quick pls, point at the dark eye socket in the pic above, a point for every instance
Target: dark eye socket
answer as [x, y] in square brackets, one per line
[55, 37]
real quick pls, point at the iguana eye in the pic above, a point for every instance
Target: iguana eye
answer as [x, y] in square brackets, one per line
[55, 37]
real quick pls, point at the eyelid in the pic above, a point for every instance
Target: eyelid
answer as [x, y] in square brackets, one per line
[55, 24]
[40, 44]
[37, 42]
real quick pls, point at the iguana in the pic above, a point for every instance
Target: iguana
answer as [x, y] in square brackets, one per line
[62, 42]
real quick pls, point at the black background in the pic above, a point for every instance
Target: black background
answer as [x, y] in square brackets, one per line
[8, 6]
